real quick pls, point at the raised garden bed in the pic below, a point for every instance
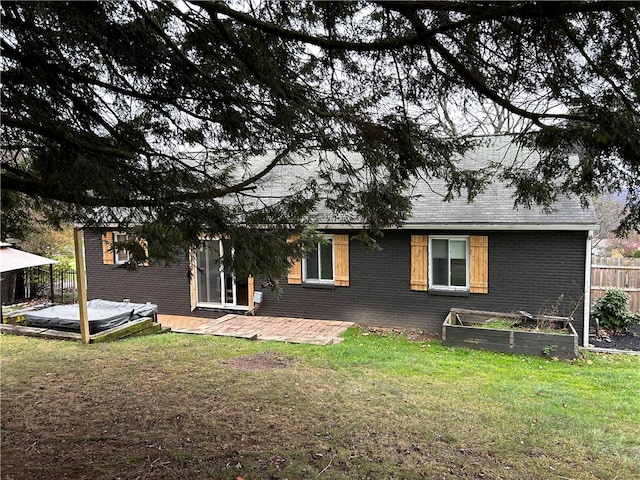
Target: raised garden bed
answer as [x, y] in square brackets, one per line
[518, 333]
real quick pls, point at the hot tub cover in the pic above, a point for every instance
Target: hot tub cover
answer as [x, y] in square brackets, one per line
[103, 315]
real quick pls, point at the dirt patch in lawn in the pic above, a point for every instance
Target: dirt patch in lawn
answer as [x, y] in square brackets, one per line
[260, 362]
[413, 335]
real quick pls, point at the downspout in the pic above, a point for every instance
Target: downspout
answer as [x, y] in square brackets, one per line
[587, 291]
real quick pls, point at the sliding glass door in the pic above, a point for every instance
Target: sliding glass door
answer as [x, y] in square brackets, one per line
[217, 285]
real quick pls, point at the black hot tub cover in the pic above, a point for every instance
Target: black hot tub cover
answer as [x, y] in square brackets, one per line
[103, 315]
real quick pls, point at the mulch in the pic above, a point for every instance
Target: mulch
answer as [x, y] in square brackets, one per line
[413, 335]
[609, 339]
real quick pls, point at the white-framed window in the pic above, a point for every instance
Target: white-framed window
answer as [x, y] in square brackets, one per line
[121, 255]
[217, 285]
[318, 264]
[449, 263]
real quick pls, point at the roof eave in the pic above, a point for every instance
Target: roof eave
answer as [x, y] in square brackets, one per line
[472, 226]
[572, 227]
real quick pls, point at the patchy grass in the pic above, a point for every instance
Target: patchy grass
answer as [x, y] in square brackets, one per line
[510, 324]
[498, 323]
[374, 406]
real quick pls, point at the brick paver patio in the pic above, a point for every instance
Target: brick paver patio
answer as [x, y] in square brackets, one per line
[293, 330]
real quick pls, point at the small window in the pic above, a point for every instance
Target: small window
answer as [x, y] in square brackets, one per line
[121, 255]
[317, 266]
[449, 263]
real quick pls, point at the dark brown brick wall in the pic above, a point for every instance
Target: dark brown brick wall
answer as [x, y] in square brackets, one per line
[539, 272]
[165, 286]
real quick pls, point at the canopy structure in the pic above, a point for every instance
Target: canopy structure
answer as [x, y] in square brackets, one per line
[12, 259]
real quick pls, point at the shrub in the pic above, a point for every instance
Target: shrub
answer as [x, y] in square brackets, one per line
[612, 311]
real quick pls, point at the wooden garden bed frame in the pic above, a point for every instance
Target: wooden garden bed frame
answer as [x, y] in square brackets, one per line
[460, 330]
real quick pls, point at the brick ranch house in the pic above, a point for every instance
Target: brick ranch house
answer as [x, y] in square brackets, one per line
[484, 255]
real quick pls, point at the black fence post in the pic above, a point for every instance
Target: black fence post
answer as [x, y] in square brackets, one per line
[52, 293]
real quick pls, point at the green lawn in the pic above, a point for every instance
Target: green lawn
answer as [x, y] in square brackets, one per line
[180, 406]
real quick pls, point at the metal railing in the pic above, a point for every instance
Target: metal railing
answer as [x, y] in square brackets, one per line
[39, 283]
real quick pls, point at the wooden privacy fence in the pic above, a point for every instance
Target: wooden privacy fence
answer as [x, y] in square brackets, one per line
[623, 273]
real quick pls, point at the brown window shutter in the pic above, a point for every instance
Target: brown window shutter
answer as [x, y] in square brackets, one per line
[108, 255]
[479, 264]
[295, 271]
[341, 260]
[145, 245]
[419, 262]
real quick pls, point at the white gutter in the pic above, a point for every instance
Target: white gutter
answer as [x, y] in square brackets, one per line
[587, 291]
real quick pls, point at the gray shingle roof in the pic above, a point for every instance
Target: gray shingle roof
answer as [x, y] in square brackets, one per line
[493, 209]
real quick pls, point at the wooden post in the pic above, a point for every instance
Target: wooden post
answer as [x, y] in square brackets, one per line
[250, 292]
[80, 283]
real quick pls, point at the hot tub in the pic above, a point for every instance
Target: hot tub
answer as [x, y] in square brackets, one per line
[103, 315]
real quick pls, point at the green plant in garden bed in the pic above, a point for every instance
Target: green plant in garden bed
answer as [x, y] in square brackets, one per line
[612, 311]
[510, 324]
[498, 324]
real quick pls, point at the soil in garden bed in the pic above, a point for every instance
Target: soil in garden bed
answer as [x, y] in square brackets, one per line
[526, 325]
[610, 339]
